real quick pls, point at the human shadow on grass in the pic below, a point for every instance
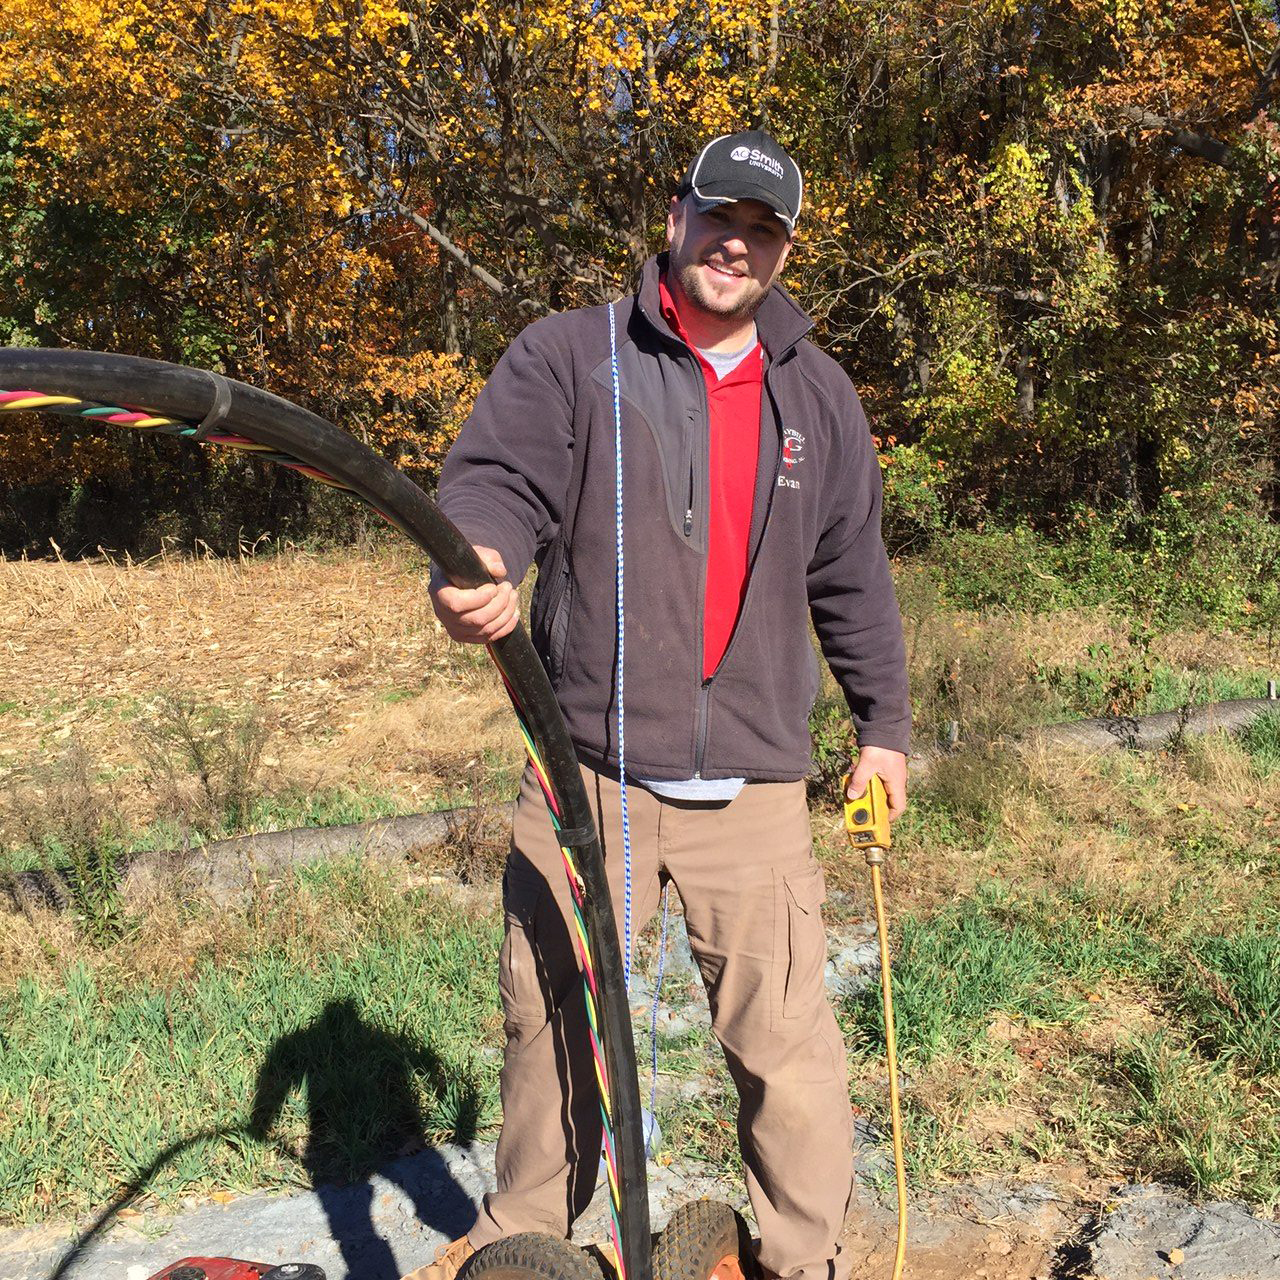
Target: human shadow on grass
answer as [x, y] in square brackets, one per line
[362, 1107]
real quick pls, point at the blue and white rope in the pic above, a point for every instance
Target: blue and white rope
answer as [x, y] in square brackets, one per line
[651, 1132]
[619, 579]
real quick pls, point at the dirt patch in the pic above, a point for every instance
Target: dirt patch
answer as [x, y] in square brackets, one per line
[968, 1252]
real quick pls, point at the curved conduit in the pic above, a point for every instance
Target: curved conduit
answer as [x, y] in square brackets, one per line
[153, 396]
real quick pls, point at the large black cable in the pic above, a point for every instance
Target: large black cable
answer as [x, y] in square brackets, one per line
[223, 404]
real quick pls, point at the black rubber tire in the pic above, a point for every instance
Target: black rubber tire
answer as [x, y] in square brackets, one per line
[698, 1236]
[294, 1271]
[530, 1256]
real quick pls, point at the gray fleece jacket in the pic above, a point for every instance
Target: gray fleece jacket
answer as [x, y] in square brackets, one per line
[532, 475]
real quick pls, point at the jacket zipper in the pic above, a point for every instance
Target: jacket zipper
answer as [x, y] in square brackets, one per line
[701, 447]
[704, 691]
[700, 724]
[702, 706]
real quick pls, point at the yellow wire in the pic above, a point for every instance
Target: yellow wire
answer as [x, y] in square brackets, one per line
[891, 1050]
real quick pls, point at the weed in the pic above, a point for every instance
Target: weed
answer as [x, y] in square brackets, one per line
[1231, 992]
[71, 824]
[974, 784]
[831, 736]
[976, 677]
[476, 846]
[1194, 1122]
[1115, 682]
[203, 762]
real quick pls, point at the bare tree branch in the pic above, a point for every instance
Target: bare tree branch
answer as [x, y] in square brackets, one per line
[1196, 144]
[392, 198]
[1244, 35]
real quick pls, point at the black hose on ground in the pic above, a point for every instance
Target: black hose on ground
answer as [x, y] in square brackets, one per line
[223, 404]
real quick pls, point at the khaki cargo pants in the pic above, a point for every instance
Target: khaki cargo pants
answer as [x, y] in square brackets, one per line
[751, 891]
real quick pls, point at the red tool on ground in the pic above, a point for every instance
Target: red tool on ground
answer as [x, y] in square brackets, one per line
[236, 1269]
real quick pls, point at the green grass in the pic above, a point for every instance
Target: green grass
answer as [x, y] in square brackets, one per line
[1193, 1121]
[1262, 741]
[399, 695]
[333, 807]
[349, 1019]
[1231, 996]
[998, 1012]
[1028, 959]
[1172, 687]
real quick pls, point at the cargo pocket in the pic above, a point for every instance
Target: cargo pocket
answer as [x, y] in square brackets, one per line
[523, 1002]
[805, 959]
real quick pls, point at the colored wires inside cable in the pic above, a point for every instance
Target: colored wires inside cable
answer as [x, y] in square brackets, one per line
[590, 985]
[140, 419]
[20, 399]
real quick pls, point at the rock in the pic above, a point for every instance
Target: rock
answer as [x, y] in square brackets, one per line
[1148, 1224]
[852, 966]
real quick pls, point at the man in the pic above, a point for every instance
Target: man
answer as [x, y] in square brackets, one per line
[751, 503]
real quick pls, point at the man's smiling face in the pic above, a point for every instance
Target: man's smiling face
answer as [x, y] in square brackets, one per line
[727, 258]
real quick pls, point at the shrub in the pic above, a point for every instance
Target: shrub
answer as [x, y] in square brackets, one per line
[203, 762]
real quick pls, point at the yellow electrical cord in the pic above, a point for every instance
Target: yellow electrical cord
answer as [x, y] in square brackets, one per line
[866, 820]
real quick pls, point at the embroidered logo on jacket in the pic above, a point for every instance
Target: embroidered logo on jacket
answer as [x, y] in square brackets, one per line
[792, 454]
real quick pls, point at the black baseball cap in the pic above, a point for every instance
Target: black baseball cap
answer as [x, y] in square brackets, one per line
[746, 166]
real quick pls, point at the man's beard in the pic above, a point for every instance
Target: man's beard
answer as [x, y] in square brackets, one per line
[691, 284]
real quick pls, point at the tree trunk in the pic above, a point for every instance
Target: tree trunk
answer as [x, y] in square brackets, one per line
[1026, 389]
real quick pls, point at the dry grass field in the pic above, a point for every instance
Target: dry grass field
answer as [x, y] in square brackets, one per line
[339, 655]
[356, 685]
[1088, 948]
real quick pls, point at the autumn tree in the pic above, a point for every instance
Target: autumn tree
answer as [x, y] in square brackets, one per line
[1043, 239]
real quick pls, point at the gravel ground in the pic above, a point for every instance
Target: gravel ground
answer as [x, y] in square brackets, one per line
[381, 1228]
[1152, 1232]
[373, 1230]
